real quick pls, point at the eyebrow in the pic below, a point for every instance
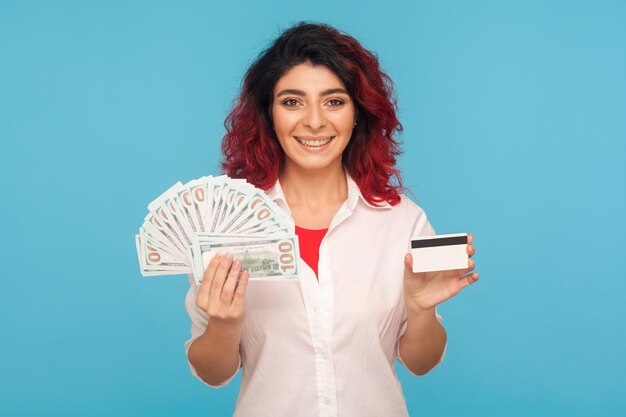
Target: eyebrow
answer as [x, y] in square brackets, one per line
[302, 93]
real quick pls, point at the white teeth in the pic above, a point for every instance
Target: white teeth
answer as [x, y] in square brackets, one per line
[314, 143]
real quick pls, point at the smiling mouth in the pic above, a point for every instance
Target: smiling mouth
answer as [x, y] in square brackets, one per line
[314, 142]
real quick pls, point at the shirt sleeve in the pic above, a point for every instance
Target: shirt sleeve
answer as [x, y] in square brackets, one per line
[199, 322]
[422, 227]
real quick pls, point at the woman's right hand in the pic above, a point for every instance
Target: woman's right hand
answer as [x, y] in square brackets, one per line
[222, 290]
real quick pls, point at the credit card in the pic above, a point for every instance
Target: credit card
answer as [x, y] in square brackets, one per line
[440, 252]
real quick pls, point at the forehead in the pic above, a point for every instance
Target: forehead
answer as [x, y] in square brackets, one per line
[309, 78]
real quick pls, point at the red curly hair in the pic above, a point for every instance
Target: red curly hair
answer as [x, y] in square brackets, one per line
[250, 147]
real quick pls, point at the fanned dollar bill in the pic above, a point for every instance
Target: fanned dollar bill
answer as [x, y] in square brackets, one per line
[267, 257]
[189, 223]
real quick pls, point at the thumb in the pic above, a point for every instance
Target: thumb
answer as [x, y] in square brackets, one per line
[408, 262]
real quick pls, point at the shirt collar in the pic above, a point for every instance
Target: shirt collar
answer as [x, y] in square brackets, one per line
[354, 194]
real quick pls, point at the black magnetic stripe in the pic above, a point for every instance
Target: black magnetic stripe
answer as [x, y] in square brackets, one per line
[442, 241]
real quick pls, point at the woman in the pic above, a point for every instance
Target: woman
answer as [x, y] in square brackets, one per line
[314, 127]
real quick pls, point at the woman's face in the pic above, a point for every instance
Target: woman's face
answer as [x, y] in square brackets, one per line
[313, 116]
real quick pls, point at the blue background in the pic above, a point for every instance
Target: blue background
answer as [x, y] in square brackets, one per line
[515, 131]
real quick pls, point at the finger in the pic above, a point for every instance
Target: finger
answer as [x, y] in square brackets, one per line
[470, 266]
[207, 279]
[218, 280]
[467, 280]
[240, 291]
[471, 250]
[231, 283]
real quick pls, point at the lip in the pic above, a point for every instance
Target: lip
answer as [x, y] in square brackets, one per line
[300, 140]
[314, 137]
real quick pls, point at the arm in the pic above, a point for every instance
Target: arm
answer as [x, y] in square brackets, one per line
[422, 345]
[215, 353]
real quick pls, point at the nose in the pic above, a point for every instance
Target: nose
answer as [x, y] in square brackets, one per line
[314, 118]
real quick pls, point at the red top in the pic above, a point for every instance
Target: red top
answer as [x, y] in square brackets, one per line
[309, 241]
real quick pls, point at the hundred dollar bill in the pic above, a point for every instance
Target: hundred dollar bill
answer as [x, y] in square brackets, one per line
[228, 198]
[265, 258]
[224, 197]
[208, 238]
[168, 222]
[153, 259]
[186, 206]
[156, 228]
[251, 207]
[234, 198]
[213, 184]
[147, 237]
[198, 191]
[167, 210]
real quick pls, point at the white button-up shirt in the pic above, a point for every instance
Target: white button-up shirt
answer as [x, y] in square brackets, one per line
[327, 348]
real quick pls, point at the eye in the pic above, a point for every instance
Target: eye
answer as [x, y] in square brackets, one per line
[290, 102]
[335, 102]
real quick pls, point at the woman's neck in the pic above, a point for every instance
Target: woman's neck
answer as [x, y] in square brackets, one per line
[314, 195]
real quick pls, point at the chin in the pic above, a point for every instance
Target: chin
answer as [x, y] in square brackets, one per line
[314, 165]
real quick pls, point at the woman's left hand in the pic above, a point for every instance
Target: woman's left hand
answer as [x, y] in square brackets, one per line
[424, 290]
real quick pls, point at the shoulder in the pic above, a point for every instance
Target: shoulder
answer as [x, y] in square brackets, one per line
[408, 207]
[413, 213]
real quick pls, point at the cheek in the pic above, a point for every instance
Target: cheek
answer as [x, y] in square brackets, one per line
[343, 120]
[345, 125]
[284, 121]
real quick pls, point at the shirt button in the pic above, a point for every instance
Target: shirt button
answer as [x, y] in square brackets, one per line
[326, 400]
[324, 355]
[327, 309]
